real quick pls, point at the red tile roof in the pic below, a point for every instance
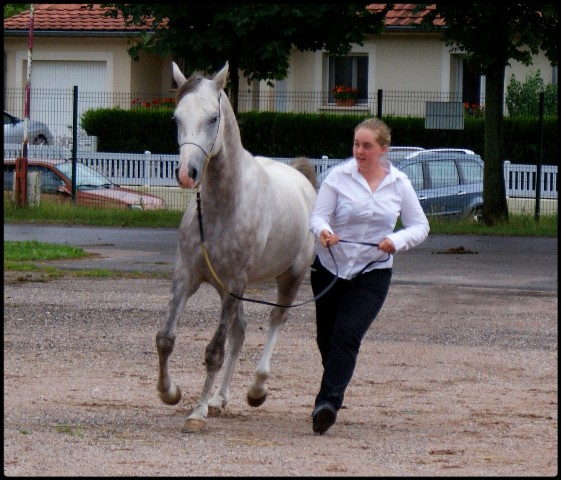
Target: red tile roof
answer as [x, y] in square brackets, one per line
[77, 17]
[403, 15]
[68, 17]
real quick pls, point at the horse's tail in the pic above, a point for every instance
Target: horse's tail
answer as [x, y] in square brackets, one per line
[303, 165]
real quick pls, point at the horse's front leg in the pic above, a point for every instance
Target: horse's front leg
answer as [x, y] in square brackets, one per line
[165, 338]
[214, 359]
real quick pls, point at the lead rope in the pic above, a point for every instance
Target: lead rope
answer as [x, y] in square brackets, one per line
[245, 299]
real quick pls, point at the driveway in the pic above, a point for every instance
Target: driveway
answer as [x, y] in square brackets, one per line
[521, 263]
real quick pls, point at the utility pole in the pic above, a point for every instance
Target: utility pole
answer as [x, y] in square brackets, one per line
[21, 162]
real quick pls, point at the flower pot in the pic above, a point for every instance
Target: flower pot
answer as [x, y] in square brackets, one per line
[345, 102]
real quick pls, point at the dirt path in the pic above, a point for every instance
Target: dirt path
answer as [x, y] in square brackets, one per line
[451, 381]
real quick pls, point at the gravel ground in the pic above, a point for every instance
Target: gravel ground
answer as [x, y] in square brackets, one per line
[451, 381]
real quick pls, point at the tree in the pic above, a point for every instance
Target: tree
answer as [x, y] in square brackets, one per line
[493, 34]
[11, 9]
[256, 38]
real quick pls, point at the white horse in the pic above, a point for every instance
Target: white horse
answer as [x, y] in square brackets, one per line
[254, 227]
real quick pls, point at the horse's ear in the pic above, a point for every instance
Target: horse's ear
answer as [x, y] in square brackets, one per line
[221, 77]
[177, 75]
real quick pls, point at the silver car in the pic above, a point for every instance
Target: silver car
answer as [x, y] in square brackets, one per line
[448, 181]
[37, 134]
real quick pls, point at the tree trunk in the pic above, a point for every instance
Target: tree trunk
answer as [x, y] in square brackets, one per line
[495, 207]
[234, 87]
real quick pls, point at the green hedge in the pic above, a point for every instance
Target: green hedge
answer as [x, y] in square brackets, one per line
[314, 135]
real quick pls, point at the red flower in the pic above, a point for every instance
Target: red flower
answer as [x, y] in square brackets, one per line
[344, 92]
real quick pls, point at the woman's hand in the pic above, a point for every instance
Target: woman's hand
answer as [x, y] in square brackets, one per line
[387, 246]
[327, 238]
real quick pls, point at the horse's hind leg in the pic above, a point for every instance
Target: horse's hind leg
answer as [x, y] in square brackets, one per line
[257, 391]
[288, 286]
[236, 339]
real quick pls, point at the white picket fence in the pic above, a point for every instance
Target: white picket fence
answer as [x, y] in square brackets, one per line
[520, 180]
[159, 170]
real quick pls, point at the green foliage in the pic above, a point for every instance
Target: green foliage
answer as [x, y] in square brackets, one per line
[313, 135]
[132, 131]
[11, 9]
[522, 99]
[254, 37]
[492, 35]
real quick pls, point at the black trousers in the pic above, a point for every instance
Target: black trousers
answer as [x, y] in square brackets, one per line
[343, 316]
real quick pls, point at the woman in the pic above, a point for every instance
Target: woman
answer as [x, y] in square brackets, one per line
[354, 219]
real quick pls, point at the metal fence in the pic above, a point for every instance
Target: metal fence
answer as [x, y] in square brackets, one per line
[154, 174]
[150, 173]
[55, 107]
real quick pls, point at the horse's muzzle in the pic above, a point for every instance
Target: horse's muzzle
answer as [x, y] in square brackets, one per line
[184, 181]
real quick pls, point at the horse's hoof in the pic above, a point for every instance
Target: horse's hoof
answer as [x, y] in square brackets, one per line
[214, 411]
[256, 402]
[194, 425]
[172, 396]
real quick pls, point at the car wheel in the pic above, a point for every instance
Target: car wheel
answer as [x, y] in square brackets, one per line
[476, 214]
[40, 140]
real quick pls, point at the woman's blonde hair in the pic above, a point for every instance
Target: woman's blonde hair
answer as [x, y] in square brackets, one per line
[380, 129]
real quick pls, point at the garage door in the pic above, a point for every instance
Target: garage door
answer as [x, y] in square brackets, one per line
[52, 83]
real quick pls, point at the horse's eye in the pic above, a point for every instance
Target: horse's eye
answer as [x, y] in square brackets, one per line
[213, 120]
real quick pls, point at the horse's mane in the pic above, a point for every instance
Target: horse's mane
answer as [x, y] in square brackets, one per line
[189, 86]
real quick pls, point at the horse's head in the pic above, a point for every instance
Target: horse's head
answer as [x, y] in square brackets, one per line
[199, 126]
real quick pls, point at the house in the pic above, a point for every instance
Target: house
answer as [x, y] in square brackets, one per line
[74, 45]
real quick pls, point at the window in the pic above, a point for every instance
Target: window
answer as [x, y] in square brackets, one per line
[443, 173]
[50, 181]
[351, 71]
[473, 173]
[9, 177]
[415, 174]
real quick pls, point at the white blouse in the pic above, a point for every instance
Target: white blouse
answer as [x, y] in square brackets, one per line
[346, 206]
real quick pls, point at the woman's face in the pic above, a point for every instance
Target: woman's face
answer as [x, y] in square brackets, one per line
[366, 149]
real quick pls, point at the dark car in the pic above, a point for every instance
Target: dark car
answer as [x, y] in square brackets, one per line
[448, 182]
[92, 188]
[37, 132]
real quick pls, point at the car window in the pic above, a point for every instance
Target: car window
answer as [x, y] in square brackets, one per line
[85, 176]
[415, 174]
[9, 177]
[443, 173]
[50, 181]
[473, 172]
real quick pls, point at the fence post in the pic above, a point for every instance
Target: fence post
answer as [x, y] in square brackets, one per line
[147, 165]
[74, 140]
[379, 106]
[539, 164]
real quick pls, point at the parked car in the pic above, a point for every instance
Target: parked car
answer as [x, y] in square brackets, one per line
[92, 188]
[448, 182]
[394, 154]
[37, 133]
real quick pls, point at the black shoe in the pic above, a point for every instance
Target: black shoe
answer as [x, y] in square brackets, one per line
[323, 417]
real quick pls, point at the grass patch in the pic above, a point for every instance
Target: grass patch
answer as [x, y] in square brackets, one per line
[19, 256]
[67, 214]
[34, 250]
[517, 226]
